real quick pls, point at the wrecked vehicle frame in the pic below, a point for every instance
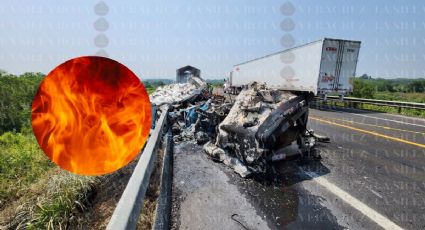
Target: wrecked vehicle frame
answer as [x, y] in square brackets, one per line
[247, 132]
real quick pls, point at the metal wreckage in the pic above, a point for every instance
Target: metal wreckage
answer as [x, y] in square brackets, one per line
[246, 132]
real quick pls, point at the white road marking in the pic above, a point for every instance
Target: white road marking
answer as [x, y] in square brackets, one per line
[376, 193]
[380, 118]
[400, 122]
[422, 120]
[381, 220]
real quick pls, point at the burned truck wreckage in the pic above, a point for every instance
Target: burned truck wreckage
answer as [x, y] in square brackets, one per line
[245, 132]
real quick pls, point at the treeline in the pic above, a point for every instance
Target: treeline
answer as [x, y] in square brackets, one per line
[154, 83]
[216, 82]
[16, 95]
[390, 89]
[17, 92]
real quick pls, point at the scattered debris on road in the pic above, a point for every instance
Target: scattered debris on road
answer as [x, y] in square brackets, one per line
[245, 133]
[178, 93]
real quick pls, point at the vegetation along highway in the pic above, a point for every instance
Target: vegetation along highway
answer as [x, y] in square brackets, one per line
[371, 174]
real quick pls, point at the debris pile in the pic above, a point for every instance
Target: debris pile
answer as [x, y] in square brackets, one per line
[178, 93]
[195, 114]
[198, 121]
[243, 133]
[238, 131]
[257, 111]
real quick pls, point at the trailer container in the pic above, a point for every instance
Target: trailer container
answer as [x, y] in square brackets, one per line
[321, 67]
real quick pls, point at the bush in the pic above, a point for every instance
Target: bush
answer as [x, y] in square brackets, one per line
[416, 86]
[363, 89]
[21, 163]
[66, 196]
[16, 95]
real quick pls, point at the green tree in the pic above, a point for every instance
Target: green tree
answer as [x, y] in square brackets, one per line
[416, 86]
[363, 89]
[16, 94]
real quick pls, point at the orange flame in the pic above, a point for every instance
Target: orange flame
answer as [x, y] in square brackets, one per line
[91, 115]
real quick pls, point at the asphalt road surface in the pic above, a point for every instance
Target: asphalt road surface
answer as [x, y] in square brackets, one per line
[379, 160]
[371, 176]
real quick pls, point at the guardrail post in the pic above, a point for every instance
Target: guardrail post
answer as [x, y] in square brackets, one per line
[359, 102]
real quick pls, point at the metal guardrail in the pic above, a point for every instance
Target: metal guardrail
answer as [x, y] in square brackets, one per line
[163, 206]
[398, 104]
[128, 209]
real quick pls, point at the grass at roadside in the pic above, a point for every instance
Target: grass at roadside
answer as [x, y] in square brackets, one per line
[407, 97]
[387, 109]
[34, 193]
[398, 96]
[65, 197]
[393, 96]
[21, 163]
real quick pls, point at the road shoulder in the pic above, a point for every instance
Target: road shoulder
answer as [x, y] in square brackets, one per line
[203, 197]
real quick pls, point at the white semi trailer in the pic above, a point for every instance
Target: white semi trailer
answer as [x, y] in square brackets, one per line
[321, 67]
[316, 68]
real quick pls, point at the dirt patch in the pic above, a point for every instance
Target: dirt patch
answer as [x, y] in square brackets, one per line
[106, 196]
[147, 217]
[109, 191]
[54, 201]
[19, 210]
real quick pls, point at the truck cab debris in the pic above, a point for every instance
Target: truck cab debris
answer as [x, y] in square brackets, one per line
[243, 133]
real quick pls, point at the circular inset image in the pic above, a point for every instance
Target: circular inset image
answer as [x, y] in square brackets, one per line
[91, 115]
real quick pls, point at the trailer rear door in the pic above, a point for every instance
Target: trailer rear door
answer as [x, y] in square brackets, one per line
[328, 65]
[347, 70]
[338, 65]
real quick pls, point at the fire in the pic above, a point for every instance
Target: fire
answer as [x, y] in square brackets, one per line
[91, 115]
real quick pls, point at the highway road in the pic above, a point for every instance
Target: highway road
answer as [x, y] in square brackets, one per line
[371, 176]
[378, 160]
